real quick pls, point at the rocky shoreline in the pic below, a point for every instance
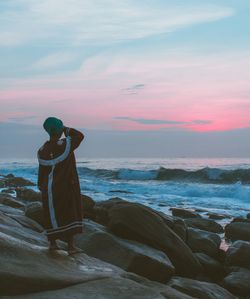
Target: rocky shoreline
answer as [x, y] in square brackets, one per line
[130, 251]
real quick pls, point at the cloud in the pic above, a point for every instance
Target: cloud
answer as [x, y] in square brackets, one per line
[88, 22]
[134, 89]
[53, 61]
[162, 122]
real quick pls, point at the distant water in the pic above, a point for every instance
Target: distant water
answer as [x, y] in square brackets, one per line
[217, 185]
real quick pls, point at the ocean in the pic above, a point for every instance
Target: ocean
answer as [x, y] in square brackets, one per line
[214, 185]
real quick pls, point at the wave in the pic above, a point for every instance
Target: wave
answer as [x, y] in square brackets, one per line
[204, 175]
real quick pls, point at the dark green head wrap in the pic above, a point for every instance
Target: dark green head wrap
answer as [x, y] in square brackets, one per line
[53, 126]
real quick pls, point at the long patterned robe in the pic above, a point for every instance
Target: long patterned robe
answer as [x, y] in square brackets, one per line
[59, 184]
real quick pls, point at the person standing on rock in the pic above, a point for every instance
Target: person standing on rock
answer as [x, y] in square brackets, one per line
[59, 184]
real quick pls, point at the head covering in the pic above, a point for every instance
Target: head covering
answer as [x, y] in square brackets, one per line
[53, 126]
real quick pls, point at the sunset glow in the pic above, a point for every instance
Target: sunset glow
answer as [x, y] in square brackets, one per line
[139, 66]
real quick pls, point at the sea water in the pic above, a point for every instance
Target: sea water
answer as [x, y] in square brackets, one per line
[215, 185]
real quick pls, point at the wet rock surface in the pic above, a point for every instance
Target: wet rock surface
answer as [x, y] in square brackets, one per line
[129, 255]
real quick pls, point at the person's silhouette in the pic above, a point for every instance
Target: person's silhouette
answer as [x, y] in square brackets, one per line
[59, 183]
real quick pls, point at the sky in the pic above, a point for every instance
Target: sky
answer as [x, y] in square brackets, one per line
[139, 72]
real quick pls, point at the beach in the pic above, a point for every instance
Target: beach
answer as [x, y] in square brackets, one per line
[175, 228]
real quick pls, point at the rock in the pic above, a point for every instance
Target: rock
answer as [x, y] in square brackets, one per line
[23, 234]
[217, 216]
[139, 223]
[27, 222]
[184, 213]
[128, 255]
[106, 288]
[248, 216]
[211, 267]
[238, 231]
[199, 289]
[11, 211]
[241, 219]
[34, 211]
[203, 241]
[238, 254]
[205, 224]
[15, 182]
[88, 207]
[27, 268]
[102, 208]
[28, 194]
[6, 220]
[8, 190]
[8, 200]
[238, 282]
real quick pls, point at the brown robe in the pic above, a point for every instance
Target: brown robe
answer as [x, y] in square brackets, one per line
[59, 184]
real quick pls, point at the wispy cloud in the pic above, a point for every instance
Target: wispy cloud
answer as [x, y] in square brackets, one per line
[145, 121]
[99, 22]
[134, 89]
[53, 61]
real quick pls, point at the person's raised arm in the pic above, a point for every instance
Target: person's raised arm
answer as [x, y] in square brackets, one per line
[76, 137]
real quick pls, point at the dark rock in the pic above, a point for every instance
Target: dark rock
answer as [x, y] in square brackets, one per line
[11, 211]
[8, 190]
[34, 211]
[203, 241]
[101, 209]
[15, 182]
[6, 220]
[27, 222]
[238, 254]
[217, 216]
[184, 213]
[200, 289]
[139, 223]
[28, 194]
[105, 288]
[10, 201]
[128, 255]
[248, 216]
[211, 267]
[241, 219]
[88, 207]
[238, 282]
[238, 231]
[205, 224]
[10, 175]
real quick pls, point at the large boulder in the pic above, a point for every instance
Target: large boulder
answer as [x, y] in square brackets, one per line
[238, 254]
[34, 211]
[137, 222]
[26, 268]
[203, 241]
[200, 289]
[184, 213]
[212, 268]
[238, 281]
[28, 194]
[129, 255]
[205, 224]
[238, 231]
